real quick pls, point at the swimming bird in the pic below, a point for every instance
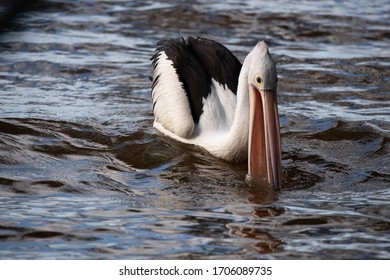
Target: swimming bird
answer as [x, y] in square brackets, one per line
[202, 95]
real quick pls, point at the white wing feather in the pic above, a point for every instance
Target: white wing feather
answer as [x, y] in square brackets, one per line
[171, 106]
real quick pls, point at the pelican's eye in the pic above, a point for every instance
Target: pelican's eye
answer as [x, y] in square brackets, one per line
[258, 80]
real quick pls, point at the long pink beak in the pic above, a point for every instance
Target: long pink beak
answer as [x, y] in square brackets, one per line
[264, 154]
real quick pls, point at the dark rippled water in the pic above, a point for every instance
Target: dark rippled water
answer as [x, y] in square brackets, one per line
[83, 175]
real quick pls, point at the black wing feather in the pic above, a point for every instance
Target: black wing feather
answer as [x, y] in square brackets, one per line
[196, 62]
[191, 73]
[218, 61]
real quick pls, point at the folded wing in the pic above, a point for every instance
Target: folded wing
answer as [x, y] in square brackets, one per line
[182, 78]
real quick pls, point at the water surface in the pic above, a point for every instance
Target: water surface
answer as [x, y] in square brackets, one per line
[83, 174]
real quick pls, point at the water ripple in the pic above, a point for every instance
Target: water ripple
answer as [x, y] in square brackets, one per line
[83, 174]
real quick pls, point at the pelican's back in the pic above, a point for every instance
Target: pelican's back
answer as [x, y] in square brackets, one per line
[184, 76]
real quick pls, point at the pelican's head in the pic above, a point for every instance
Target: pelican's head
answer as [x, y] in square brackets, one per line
[264, 153]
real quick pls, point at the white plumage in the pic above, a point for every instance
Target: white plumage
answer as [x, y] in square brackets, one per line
[170, 88]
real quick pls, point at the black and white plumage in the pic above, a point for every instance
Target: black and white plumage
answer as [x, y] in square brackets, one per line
[202, 95]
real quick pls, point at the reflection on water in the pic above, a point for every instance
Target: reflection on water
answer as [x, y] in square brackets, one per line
[84, 175]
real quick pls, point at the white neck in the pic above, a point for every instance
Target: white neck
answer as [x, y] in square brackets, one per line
[237, 137]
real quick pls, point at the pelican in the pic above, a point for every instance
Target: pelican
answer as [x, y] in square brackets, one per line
[203, 96]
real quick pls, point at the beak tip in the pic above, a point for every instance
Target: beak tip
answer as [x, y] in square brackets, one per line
[262, 181]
